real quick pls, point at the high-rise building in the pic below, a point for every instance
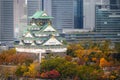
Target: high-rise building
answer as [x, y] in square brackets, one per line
[78, 14]
[104, 15]
[32, 7]
[47, 6]
[68, 14]
[107, 19]
[115, 4]
[20, 17]
[6, 21]
[89, 12]
[63, 13]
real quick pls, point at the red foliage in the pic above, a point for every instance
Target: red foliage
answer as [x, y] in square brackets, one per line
[50, 74]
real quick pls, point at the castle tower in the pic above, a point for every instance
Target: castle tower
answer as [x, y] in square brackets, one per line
[40, 36]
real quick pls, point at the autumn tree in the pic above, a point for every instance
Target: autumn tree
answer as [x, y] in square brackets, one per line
[104, 63]
[72, 48]
[32, 70]
[89, 73]
[64, 67]
[21, 70]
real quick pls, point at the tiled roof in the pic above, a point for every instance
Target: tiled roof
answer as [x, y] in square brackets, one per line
[39, 14]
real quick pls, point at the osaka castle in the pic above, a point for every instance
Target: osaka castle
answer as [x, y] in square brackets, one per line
[40, 36]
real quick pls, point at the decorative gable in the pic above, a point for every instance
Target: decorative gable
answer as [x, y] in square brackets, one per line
[21, 43]
[28, 35]
[49, 28]
[52, 41]
[33, 43]
[33, 24]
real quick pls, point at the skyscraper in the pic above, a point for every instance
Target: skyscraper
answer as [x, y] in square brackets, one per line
[89, 12]
[115, 4]
[63, 13]
[107, 19]
[20, 17]
[78, 14]
[32, 7]
[68, 14]
[6, 21]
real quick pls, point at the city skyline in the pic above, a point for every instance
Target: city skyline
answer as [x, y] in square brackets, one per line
[68, 15]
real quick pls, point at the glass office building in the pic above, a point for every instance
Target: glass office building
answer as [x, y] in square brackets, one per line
[115, 4]
[91, 36]
[68, 14]
[63, 11]
[107, 26]
[6, 21]
[78, 14]
[107, 19]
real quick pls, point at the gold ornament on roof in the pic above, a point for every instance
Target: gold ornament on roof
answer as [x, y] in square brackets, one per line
[53, 36]
[49, 23]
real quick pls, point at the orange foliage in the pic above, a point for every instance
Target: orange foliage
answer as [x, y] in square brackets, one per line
[104, 63]
[9, 57]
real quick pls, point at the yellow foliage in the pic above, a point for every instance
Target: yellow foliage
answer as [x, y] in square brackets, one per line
[79, 53]
[32, 70]
[23, 68]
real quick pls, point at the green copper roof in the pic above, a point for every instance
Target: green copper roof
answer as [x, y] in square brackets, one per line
[39, 14]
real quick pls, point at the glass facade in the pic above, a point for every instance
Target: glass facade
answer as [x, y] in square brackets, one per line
[91, 36]
[78, 14]
[68, 14]
[6, 21]
[115, 4]
[62, 11]
[107, 19]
